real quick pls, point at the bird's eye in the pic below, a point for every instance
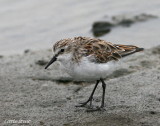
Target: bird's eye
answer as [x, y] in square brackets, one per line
[62, 50]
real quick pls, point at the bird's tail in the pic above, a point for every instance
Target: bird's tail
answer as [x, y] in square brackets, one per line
[125, 50]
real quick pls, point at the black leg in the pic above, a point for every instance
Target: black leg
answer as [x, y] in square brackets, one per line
[90, 98]
[101, 108]
[103, 95]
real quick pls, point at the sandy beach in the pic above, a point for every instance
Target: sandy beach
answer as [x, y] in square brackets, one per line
[48, 97]
[39, 97]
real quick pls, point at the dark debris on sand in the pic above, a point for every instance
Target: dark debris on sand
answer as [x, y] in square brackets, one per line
[100, 28]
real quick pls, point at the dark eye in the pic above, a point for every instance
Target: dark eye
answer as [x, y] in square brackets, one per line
[62, 50]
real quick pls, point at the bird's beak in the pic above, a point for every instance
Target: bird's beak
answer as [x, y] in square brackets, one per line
[51, 61]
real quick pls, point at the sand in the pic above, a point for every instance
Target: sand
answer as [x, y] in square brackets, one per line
[30, 93]
[48, 97]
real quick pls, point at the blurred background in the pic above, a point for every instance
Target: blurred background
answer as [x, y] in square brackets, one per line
[38, 24]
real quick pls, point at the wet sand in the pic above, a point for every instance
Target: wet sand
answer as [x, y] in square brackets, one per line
[48, 97]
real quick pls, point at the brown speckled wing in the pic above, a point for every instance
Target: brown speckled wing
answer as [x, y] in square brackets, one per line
[100, 51]
[96, 50]
[103, 52]
[128, 49]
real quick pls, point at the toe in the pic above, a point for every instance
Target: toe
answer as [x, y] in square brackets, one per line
[93, 109]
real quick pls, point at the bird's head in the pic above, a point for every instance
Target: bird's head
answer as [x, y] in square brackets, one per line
[61, 51]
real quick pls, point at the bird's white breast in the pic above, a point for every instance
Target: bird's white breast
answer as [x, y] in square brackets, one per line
[86, 70]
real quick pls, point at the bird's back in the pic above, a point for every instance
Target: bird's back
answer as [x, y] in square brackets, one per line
[100, 51]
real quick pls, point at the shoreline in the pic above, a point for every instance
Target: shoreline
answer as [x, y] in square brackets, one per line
[29, 92]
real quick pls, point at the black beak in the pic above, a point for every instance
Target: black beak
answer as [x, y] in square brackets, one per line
[51, 61]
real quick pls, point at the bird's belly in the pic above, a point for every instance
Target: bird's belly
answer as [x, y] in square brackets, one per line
[88, 71]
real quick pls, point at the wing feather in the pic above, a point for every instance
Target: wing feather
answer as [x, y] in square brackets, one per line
[101, 51]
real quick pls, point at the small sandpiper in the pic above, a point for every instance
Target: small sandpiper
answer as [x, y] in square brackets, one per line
[89, 59]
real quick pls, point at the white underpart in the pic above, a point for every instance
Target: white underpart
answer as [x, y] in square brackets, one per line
[85, 70]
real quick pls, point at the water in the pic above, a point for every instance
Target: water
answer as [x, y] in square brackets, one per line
[37, 24]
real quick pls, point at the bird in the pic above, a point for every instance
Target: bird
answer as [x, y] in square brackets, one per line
[90, 59]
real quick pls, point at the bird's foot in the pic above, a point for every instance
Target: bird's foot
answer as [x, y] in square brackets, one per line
[82, 104]
[90, 107]
[97, 108]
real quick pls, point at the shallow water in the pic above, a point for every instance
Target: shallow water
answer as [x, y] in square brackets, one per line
[37, 24]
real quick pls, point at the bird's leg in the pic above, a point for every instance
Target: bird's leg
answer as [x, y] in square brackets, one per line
[90, 98]
[101, 108]
[103, 95]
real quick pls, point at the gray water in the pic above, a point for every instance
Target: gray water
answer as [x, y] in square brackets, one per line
[38, 24]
